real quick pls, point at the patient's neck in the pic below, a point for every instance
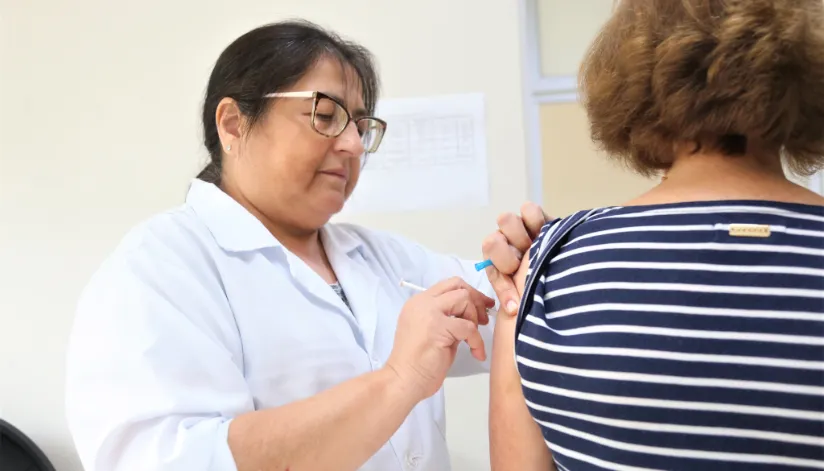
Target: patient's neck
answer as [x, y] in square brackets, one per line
[707, 176]
[703, 167]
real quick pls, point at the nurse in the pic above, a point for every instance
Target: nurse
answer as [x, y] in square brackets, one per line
[243, 331]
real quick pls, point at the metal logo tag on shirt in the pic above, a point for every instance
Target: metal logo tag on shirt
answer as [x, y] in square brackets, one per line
[749, 230]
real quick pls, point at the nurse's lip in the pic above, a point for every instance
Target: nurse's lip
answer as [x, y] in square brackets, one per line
[337, 172]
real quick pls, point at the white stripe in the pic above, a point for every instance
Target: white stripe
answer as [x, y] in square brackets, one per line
[783, 270]
[717, 210]
[691, 333]
[607, 209]
[688, 429]
[593, 460]
[683, 453]
[697, 246]
[545, 229]
[678, 405]
[562, 226]
[545, 239]
[559, 466]
[674, 356]
[536, 243]
[804, 232]
[693, 228]
[699, 311]
[692, 288]
[690, 381]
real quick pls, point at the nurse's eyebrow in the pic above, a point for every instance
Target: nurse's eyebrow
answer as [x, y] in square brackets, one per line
[355, 114]
[336, 97]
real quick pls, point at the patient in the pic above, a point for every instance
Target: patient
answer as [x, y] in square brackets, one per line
[682, 330]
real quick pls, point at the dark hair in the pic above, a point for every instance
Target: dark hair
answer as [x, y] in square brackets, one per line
[268, 59]
[719, 73]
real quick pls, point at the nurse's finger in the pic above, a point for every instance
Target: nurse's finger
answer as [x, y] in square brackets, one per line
[458, 303]
[463, 330]
[482, 302]
[454, 283]
[534, 219]
[503, 256]
[483, 315]
[505, 289]
[514, 230]
[481, 306]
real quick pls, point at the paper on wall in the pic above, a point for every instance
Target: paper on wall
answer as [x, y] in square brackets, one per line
[433, 156]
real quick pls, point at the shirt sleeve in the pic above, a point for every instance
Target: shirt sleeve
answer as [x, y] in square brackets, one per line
[154, 366]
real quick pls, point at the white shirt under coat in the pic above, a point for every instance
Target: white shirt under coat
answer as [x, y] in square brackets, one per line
[201, 315]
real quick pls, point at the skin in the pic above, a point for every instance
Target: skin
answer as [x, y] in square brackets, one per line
[516, 442]
[286, 174]
[506, 247]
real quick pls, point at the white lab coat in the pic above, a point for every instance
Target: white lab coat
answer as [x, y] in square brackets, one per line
[201, 315]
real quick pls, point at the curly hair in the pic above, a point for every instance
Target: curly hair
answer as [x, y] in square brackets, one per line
[717, 73]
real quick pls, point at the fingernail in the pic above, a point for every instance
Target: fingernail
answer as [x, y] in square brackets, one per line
[511, 307]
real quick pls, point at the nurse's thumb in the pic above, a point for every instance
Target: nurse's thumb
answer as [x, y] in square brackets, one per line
[505, 290]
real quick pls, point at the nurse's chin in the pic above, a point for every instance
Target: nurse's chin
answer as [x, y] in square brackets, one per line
[332, 204]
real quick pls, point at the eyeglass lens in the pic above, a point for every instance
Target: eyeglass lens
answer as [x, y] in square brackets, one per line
[331, 119]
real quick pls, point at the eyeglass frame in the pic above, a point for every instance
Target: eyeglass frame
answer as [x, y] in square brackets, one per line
[316, 96]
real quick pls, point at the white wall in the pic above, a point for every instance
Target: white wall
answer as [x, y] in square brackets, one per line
[99, 129]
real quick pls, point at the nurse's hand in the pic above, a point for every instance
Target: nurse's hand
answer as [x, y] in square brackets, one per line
[507, 246]
[430, 327]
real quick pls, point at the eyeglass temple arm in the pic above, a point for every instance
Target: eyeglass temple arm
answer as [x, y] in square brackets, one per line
[290, 95]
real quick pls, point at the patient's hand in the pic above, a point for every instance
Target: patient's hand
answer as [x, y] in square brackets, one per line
[506, 247]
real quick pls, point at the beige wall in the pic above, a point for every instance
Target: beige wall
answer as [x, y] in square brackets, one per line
[566, 28]
[575, 175]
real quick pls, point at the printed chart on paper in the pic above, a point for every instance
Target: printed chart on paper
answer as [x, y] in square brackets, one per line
[433, 156]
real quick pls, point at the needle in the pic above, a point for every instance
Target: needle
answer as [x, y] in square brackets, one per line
[411, 285]
[404, 283]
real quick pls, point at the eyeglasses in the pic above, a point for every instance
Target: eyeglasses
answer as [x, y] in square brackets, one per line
[330, 118]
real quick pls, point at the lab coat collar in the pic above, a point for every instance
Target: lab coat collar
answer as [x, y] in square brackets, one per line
[336, 237]
[234, 228]
[237, 230]
[357, 276]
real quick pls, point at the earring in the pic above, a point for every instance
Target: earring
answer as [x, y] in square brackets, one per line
[228, 148]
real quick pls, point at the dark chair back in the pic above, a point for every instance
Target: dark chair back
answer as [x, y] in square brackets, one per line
[19, 453]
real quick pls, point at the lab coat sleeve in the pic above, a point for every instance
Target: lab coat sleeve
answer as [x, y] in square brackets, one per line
[153, 372]
[429, 268]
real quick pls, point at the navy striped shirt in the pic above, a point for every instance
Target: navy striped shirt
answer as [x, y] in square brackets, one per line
[678, 336]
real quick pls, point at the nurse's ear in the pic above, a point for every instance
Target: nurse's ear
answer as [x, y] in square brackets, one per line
[229, 122]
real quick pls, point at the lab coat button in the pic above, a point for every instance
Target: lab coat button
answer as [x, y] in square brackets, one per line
[412, 461]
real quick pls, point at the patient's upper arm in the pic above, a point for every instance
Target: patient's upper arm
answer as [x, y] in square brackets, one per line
[516, 442]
